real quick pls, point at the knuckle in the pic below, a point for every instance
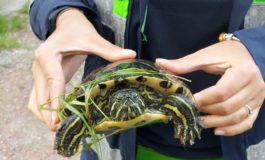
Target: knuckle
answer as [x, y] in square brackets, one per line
[233, 133]
[52, 82]
[30, 108]
[43, 51]
[222, 95]
[253, 71]
[261, 85]
[52, 128]
[225, 110]
[249, 125]
[38, 53]
[33, 67]
[236, 119]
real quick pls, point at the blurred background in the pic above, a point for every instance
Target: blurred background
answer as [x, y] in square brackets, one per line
[22, 136]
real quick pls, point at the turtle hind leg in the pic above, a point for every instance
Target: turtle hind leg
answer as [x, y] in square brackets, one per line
[68, 136]
[185, 134]
[185, 117]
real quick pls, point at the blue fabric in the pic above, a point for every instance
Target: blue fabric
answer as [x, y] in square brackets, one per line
[40, 11]
[183, 36]
[233, 148]
[253, 39]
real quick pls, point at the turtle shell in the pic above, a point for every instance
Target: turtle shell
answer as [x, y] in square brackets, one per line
[158, 96]
[137, 71]
[128, 74]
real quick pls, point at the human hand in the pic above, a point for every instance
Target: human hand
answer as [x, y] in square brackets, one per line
[241, 85]
[59, 57]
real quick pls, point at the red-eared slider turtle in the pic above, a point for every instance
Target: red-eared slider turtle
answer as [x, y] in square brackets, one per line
[125, 95]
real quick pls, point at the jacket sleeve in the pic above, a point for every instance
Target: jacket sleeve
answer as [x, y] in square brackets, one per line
[254, 40]
[41, 10]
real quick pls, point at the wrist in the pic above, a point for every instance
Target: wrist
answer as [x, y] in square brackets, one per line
[69, 16]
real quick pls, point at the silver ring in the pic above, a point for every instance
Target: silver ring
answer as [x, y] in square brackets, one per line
[248, 109]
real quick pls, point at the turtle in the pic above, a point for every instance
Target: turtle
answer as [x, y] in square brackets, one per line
[123, 95]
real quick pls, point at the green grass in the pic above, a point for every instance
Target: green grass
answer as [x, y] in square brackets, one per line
[258, 0]
[10, 23]
[25, 8]
[7, 41]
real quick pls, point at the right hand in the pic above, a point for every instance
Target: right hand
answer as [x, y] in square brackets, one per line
[59, 57]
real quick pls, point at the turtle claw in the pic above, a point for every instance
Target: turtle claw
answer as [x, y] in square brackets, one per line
[68, 136]
[186, 134]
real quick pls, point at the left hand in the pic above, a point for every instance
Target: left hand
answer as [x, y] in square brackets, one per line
[241, 84]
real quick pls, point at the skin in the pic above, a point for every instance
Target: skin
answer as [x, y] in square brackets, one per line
[59, 57]
[241, 83]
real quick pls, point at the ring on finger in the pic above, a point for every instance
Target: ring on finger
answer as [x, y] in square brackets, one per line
[248, 109]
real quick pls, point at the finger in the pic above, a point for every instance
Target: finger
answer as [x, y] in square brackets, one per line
[225, 88]
[53, 74]
[40, 84]
[247, 123]
[213, 121]
[103, 48]
[179, 66]
[41, 90]
[33, 105]
[197, 61]
[95, 45]
[234, 103]
[56, 88]
[110, 52]
[241, 127]
[34, 108]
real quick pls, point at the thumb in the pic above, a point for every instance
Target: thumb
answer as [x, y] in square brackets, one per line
[183, 65]
[111, 52]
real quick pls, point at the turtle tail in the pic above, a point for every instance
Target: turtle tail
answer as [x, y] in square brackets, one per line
[185, 117]
[69, 135]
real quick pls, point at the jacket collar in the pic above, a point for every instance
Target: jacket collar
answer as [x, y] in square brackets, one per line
[239, 11]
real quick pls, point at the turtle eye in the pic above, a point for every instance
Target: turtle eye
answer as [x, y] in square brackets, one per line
[134, 95]
[119, 95]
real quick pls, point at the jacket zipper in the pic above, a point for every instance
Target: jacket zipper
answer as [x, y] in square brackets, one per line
[126, 38]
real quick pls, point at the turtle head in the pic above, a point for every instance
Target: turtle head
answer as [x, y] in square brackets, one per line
[126, 104]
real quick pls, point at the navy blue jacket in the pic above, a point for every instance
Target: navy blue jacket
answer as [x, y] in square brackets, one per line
[234, 148]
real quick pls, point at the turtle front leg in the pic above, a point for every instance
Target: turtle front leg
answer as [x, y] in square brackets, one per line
[185, 116]
[69, 135]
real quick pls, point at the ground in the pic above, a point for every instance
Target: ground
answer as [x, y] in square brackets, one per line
[22, 136]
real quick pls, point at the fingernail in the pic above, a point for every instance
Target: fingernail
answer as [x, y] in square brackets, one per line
[162, 61]
[128, 51]
[219, 132]
[54, 115]
[201, 122]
